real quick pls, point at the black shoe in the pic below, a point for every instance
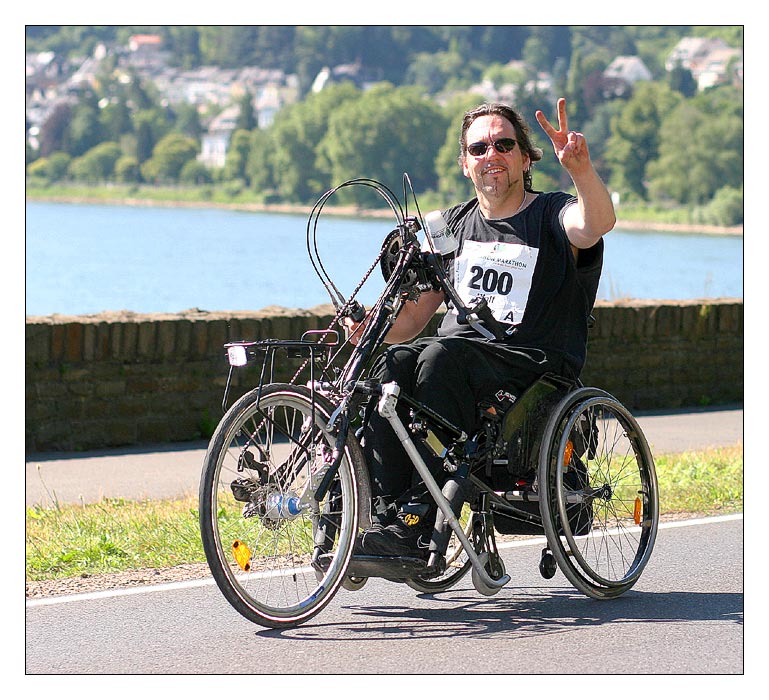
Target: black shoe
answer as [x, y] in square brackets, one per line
[408, 536]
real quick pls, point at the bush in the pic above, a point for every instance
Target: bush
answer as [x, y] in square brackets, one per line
[51, 169]
[725, 209]
[195, 173]
[127, 169]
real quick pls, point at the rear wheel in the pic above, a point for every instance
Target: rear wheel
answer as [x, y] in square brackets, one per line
[277, 554]
[598, 493]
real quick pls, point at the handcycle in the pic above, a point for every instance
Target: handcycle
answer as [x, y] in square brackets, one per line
[285, 489]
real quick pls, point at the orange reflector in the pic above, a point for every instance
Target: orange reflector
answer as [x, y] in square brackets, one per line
[567, 453]
[242, 554]
[637, 511]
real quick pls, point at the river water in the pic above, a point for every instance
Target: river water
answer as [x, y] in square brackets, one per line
[83, 259]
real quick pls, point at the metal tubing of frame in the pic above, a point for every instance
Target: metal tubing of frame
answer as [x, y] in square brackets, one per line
[386, 409]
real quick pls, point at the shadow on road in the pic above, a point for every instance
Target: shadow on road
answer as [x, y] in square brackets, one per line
[527, 614]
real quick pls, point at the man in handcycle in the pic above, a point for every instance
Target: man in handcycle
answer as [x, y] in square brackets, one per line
[536, 258]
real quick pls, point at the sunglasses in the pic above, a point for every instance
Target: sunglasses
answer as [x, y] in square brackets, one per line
[500, 146]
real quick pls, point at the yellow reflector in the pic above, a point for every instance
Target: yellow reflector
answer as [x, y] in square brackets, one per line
[242, 554]
[567, 453]
[637, 511]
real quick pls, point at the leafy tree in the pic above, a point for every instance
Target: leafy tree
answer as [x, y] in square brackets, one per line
[55, 130]
[438, 71]
[258, 170]
[544, 45]
[183, 41]
[681, 80]
[58, 165]
[246, 116]
[453, 186]
[725, 209]
[636, 134]
[235, 166]
[52, 168]
[150, 126]
[98, 164]
[115, 120]
[195, 173]
[386, 132]
[598, 132]
[138, 94]
[187, 120]
[299, 176]
[127, 169]
[85, 129]
[700, 149]
[169, 156]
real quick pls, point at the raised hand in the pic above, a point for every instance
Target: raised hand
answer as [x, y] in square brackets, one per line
[570, 146]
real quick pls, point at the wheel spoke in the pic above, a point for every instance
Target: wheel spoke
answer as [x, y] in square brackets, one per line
[258, 525]
[615, 469]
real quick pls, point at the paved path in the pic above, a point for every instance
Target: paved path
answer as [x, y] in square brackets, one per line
[168, 471]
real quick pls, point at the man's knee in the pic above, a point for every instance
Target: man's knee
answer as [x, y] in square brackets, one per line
[444, 357]
[397, 364]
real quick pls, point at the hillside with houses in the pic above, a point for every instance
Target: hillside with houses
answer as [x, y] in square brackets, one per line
[133, 92]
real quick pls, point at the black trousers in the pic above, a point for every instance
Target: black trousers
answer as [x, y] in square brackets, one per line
[450, 375]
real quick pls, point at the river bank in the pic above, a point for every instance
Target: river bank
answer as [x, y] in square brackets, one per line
[349, 211]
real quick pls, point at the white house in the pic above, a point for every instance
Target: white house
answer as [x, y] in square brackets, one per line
[631, 69]
[214, 143]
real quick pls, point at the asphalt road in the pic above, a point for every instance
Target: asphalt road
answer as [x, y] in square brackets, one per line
[684, 616]
[168, 471]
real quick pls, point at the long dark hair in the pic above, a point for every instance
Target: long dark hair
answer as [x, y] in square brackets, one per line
[519, 124]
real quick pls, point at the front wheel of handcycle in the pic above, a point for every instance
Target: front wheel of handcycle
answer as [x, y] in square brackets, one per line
[277, 554]
[598, 493]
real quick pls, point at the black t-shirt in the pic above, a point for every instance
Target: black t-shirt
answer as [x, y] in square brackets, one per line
[524, 267]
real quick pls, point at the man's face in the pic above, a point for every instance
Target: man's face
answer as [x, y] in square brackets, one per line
[494, 174]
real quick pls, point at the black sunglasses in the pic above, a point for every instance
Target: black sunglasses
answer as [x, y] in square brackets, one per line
[500, 146]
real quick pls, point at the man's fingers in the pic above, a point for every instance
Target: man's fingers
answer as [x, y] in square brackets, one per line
[545, 124]
[563, 120]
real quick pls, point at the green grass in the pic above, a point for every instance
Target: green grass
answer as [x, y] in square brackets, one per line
[119, 535]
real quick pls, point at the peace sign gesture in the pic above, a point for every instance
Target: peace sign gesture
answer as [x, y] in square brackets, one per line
[570, 146]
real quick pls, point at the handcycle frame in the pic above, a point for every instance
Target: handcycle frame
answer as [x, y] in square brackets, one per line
[409, 270]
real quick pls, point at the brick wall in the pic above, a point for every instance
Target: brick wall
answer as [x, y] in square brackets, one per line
[126, 379]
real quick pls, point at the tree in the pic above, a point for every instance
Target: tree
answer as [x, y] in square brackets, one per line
[54, 130]
[453, 186]
[382, 135]
[188, 120]
[195, 173]
[115, 120]
[258, 170]
[96, 165]
[546, 44]
[246, 116]
[700, 149]
[597, 131]
[52, 168]
[183, 41]
[291, 149]
[150, 126]
[170, 155]
[235, 166]
[127, 169]
[681, 80]
[634, 142]
[85, 129]
[439, 71]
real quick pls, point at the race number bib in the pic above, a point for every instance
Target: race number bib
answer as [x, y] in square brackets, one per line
[500, 272]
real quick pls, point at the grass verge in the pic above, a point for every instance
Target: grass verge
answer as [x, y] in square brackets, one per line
[119, 535]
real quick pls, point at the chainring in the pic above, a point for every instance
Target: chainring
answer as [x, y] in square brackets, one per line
[389, 259]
